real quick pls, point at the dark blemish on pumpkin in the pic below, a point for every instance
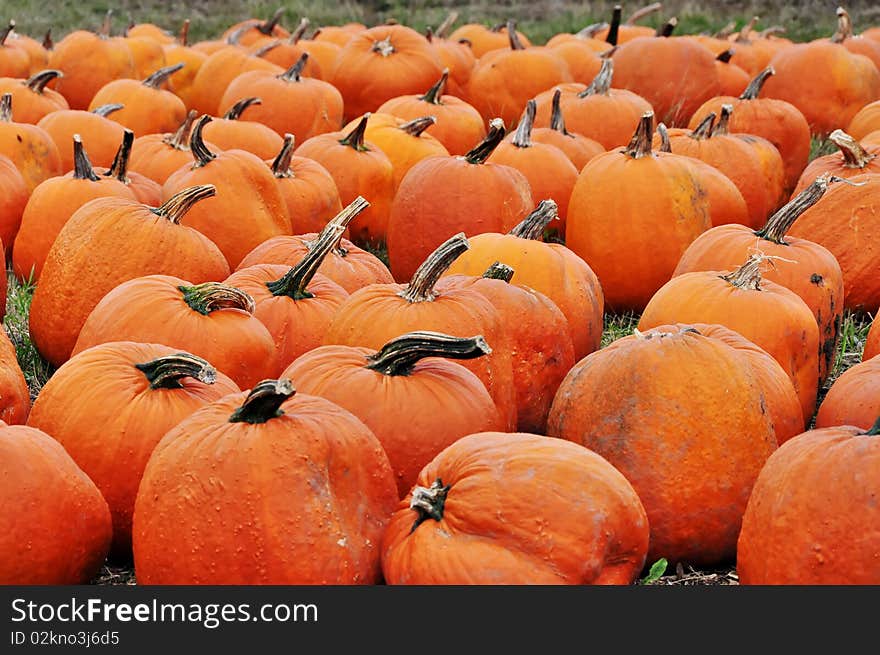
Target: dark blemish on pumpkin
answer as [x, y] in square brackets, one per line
[815, 278]
[18, 136]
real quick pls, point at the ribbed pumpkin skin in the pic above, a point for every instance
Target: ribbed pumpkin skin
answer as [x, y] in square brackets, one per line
[459, 126]
[866, 120]
[854, 398]
[14, 196]
[29, 105]
[310, 194]
[146, 110]
[692, 458]
[356, 269]
[501, 487]
[774, 318]
[241, 134]
[89, 61]
[106, 242]
[111, 437]
[15, 398]
[414, 416]
[812, 516]
[847, 222]
[836, 165]
[286, 470]
[32, 150]
[152, 309]
[872, 342]
[40, 544]
[100, 136]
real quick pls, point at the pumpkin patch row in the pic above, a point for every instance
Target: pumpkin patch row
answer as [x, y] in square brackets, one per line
[245, 393]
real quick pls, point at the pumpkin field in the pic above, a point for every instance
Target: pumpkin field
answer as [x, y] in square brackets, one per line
[440, 293]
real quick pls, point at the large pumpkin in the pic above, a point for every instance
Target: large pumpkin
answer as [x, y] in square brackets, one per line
[532, 533]
[286, 454]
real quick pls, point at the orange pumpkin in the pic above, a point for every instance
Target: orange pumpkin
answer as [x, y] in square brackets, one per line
[109, 441]
[732, 79]
[149, 31]
[14, 197]
[289, 52]
[254, 30]
[851, 159]
[27, 146]
[456, 56]
[99, 134]
[179, 52]
[217, 72]
[856, 44]
[14, 62]
[483, 40]
[37, 51]
[872, 341]
[853, 398]
[866, 120]
[230, 132]
[157, 156]
[324, 53]
[31, 100]
[15, 398]
[145, 189]
[578, 148]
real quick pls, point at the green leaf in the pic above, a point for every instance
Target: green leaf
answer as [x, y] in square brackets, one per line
[657, 570]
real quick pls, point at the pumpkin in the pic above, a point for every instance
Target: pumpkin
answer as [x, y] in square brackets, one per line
[371, 316]
[28, 146]
[88, 61]
[179, 52]
[14, 62]
[578, 148]
[289, 52]
[802, 266]
[31, 100]
[147, 55]
[866, 120]
[359, 168]
[504, 80]
[778, 121]
[101, 135]
[598, 112]
[483, 40]
[110, 442]
[14, 196]
[754, 50]
[211, 320]
[443, 195]
[805, 521]
[147, 107]
[648, 205]
[349, 266]
[338, 35]
[457, 126]
[157, 156]
[149, 31]
[15, 399]
[231, 132]
[872, 341]
[145, 189]
[602, 540]
[295, 303]
[767, 314]
[44, 484]
[847, 222]
[37, 51]
[581, 57]
[286, 453]
[249, 207]
[106, 242]
[692, 458]
[254, 30]
[620, 32]
[308, 189]
[549, 268]
[853, 398]
[851, 159]
[381, 63]
[404, 392]
[732, 79]
[291, 103]
[855, 44]
[52, 204]
[456, 56]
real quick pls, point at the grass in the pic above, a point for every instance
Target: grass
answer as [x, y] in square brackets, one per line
[36, 370]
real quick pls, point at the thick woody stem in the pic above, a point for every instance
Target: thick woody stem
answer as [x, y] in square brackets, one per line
[844, 26]
[747, 276]
[6, 31]
[200, 151]
[557, 120]
[212, 296]
[355, 138]
[6, 108]
[119, 167]
[400, 356]
[235, 111]
[665, 143]
[293, 73]
[667, 28]
[421, 286]
[82, 167]
[106, 110]
[268, 27]
[499, 271]
[601, 84]
[725, 56]
[532, 226]
[746, 31]
[38, 81]
[429, 502]
[639, 14]
[522, 138]
[704, 129]
[722, 127]
[640, 145]
[854, 155]
[294, 284]
[161, 76]
[446, 25]
[513, 37]
[180, 139]
[480, 153]
[777, 226]
[48, 43]
[300, 30]
[754, 87]
[176, 207]
[614, 27]
[264, 402]
[167, 372]
[183, 36]
[416, 126]
[434, 94]
[281, 165]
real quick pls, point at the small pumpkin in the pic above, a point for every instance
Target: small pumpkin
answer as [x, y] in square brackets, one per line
[578, 148]
[145, 189]
[100, 135]
[289, 52]
[14, 62]
[28, 146]
[231, 132]
[31, 100]
[483, 40]
[850, 160]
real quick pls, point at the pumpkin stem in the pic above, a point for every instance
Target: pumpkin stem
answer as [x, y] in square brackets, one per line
[665, 144]
[512, 36]
[435, 92]
[300, 30]
[725, 31]
[234, 38]
[532, 226]
[875, 429]
[293, 73]
[176, 207]
[183, 36]
[106, 25]
[210, 296]
[640, 145]
[355, 138]
[778, 225]
[614, 27]
[746, 31]
[480, 153]
[639, 14]
[722, 127]
[236, 110]
[747, 276]
[267, 27]
[106, 110]
[38, 81]
[591, 30]
[161, 76]
[725, 56]
[6, 108]
[82, 167]
[844, 26]
[383, 47]
[522, 138]
[264, 401]
[48, 43]
[166, 372]
[266, 48]
[201, 153]
[6, 31]
[557, 120]
[602, 82]
[400, 356]
[854, 155]
[499, 271]
[416, 126]
[281, 165]
[119, 167]
[428, 502]
[754, 87]
[421, 286]
[704, 129]
[180, 139]
[343, 218]
[294, 283]
[447, 23]
[773, 30]
[667, 28]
